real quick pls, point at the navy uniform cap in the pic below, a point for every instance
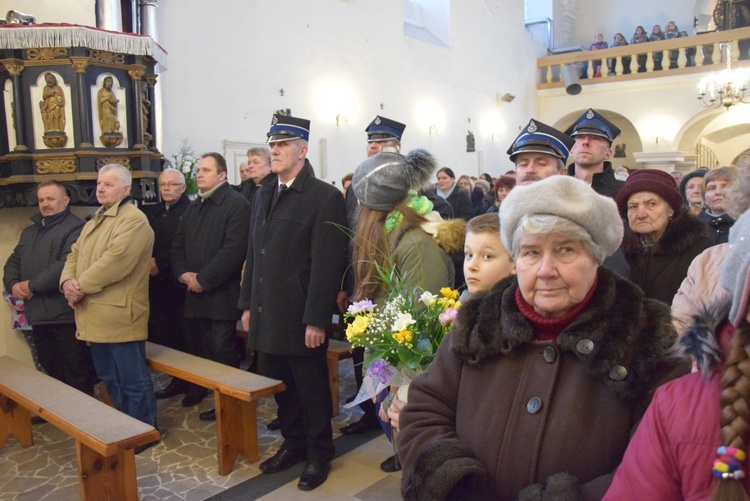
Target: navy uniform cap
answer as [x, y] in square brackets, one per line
[383, 129]
[285, 128]
[593, 124]
[537, 137]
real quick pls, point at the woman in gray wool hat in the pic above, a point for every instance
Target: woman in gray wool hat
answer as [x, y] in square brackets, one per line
[535, 392]
[398, 231]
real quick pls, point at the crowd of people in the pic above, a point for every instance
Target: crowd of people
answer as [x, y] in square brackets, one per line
[582, 294]
[640, 35]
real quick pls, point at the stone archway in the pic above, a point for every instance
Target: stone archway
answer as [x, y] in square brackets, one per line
[724, 132]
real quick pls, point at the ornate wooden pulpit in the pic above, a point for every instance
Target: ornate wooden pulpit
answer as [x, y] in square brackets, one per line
[76, 98]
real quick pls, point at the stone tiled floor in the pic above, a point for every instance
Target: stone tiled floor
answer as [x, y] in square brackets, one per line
[184, 465]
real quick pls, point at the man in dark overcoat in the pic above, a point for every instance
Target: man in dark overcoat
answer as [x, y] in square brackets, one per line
[207, 255]
[166, 296]
[295, 261]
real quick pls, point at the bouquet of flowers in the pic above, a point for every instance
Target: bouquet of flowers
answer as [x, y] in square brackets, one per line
[401, 336]
[186, 162]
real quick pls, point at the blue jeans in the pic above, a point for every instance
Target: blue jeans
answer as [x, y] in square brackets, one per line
[122, 366]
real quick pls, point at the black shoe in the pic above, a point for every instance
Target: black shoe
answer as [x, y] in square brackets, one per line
[274, 425]
[282, 460]
[175, 387]
[390, 465]
[366, 423]
[208, 415]
[192, 399]
[143, 447]
[38, 420]
[351, 398]
[314, 474]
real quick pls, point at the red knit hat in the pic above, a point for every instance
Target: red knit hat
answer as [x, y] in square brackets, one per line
[651, 180]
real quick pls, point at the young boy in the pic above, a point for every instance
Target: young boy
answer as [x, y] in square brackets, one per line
[486, 262]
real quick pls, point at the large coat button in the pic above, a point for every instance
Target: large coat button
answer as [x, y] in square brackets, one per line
[618, 373]
[585, 346]
[533, 405]
[550, 355]
[260, 309]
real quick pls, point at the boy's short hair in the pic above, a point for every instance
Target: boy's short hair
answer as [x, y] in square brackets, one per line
[484, 223]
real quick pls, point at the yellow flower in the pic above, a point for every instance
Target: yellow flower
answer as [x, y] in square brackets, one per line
[357, 327]
[449, 293]
[446, 303]
[402, 337]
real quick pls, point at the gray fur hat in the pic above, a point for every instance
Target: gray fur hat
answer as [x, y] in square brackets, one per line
[566, 197]
[734, 273]
[383, 180]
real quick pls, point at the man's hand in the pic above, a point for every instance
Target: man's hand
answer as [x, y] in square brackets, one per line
[152, 268]
[342, 301]
[245, 320]
[72, 292]
[191, 280]
[21, 290]
[314, 336]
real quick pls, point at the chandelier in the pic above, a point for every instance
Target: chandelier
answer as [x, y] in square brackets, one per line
[725, 88]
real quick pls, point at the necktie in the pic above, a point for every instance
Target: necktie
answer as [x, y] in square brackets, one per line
[282, 187]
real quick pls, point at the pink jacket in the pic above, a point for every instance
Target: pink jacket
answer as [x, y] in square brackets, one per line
[672, 452]
[700, 288]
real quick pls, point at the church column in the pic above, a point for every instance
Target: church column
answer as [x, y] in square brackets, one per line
[84, 114]
[15, 68]
[108, 15]
[148, 18]
[136, 74]
[149, 27]
[150, 80]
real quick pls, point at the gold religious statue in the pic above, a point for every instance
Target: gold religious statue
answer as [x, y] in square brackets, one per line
[107, 107]
[52, 105]
[106, 103]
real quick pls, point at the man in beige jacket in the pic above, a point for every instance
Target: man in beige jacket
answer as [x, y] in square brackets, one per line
[105, 280]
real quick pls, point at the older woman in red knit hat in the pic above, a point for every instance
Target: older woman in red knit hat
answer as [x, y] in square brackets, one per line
[663, 237]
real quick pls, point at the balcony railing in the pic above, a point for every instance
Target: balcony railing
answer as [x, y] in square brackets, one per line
[686, 55]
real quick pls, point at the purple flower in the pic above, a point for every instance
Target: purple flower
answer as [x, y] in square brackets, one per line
[360, 306]
[379, 369]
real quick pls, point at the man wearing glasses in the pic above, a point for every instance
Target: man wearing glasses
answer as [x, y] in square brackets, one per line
[166, 294]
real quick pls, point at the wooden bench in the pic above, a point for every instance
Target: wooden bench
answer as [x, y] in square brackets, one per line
[236, 394]
[105, 437]
[337, 351]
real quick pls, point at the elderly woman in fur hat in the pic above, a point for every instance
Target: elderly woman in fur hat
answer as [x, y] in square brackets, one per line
[662, 237]
[695, 436]
[536, 391]
[398, 230]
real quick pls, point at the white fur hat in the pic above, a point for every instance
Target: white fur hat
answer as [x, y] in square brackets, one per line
[565, 197]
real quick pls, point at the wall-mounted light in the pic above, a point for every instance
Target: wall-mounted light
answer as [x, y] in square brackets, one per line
[341, 118]
[507, 97]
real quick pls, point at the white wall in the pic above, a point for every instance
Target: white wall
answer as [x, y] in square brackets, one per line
[622, 16]
[342, 57]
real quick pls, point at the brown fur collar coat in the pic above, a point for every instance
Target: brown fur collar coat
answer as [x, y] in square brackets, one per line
[626, 329]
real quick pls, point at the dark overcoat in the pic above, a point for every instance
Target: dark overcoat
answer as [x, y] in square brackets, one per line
[165, 223]
[295, 262]
[211, 240]
[39, 258]
[505, 414]
[660, 270]
[604, 183]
